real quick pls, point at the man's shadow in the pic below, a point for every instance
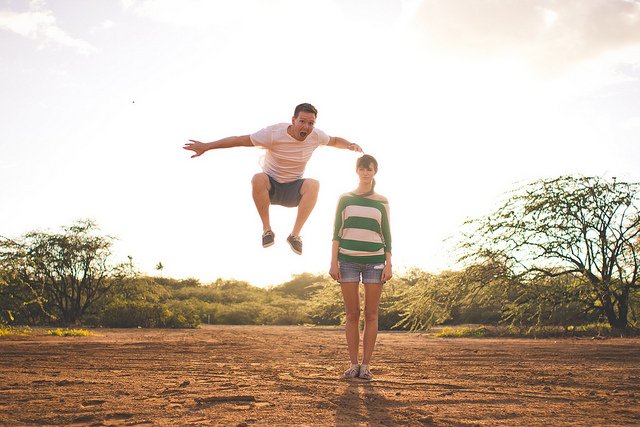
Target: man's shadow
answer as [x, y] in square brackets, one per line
[363, 403]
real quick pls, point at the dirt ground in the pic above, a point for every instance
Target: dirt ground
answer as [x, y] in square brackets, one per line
[266, 375]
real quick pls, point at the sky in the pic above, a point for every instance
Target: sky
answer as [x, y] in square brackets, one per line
[460, 101]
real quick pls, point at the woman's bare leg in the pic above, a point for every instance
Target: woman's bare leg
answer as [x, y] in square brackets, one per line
[351, 296]
[372, 294]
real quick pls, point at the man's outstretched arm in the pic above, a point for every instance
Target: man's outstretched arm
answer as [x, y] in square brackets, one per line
[232, 141]
[336, 141]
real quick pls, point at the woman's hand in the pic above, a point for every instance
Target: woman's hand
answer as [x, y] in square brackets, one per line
[334, 271]
[387, 273]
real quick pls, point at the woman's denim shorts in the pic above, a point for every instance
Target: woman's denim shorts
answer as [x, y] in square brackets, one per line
[353, 272]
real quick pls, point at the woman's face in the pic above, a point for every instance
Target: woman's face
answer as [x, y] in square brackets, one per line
[366, 173]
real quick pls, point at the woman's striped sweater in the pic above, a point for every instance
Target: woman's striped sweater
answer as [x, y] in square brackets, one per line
[362, 228]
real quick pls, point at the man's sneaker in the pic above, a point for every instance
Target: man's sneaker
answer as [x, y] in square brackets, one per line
[296, 243]
[268, 238]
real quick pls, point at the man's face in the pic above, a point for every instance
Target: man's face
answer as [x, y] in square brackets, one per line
[302, 125]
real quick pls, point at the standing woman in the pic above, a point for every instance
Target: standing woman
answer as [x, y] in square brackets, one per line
[361, 252]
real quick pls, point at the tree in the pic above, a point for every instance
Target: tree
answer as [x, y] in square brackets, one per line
[584, 226]
[160, 267]
[301, 286]
[429, 300]
[69, 271]
[326, 306]
[20, 300]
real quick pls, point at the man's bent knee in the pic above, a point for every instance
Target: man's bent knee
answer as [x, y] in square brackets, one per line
[260, 181]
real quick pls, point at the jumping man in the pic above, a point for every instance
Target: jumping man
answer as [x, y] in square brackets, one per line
[289, 148]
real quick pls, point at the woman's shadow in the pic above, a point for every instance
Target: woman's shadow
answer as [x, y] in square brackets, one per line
[362, 402]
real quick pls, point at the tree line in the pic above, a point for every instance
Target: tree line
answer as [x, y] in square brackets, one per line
[562, 252]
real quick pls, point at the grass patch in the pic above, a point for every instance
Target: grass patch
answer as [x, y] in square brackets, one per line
[463, 332]
[589, 330]
[593, 330]
[9, 331]
[69, 332]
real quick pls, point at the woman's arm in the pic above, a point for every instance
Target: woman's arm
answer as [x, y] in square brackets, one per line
[387, 273]
[334, 270]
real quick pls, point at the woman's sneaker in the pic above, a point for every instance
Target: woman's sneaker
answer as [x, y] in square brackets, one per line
[365, 373]
[352, 372]
[267, 238]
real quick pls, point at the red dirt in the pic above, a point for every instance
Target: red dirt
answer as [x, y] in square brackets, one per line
[265, 375]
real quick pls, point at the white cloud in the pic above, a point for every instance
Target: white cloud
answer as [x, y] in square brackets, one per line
[550, 34]
[194, 13]
[107, 24]
[290, 16]
[40, 24]
[632, 124]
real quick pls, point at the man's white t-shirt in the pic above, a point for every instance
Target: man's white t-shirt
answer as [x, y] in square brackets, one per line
[286, 157]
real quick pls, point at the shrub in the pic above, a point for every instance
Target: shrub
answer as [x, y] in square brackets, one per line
[185, 314]
[464, 332]
[244, 313]
[6, 331]
[132, 314]
[326, 306]
[69, 332]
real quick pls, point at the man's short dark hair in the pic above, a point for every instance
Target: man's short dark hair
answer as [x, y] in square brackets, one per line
[307, 108]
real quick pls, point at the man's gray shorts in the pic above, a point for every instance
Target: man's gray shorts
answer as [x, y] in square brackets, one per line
[287, 194]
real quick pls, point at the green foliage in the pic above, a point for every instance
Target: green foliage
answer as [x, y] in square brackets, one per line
[8, 331]
[532, 331]
[492, 290]
[203, 293]
[284, 310]
[392, 303]
[142, 289]
[196, 310]
[233, 291]
[326, 306]
[62, 274]
[556, 331]
[634, 307]
[584, 226]
[590, 329]
[302, 286]
[20, 300]
[170, 283]
[220, 291]
[428, 301]
[244, 313]
[489, 294]
[185, 313]
[69, 332]
[131, 314]
[547, 301]
[463, 332]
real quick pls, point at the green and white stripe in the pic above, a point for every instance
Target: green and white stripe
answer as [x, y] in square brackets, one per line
[362, 228]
